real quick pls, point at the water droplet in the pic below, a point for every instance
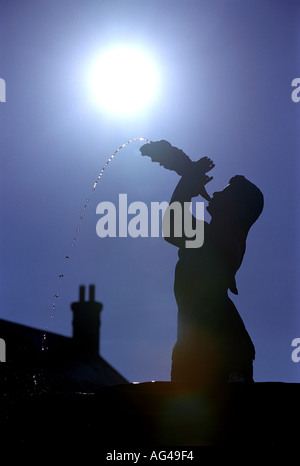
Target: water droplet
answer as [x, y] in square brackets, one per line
[67, 258]
[44, 342]
[56, 296]
[60, 276]
[77, 230]
[82, 217]
[51, 316]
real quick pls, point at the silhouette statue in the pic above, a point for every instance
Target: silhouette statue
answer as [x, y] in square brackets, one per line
[213, 345]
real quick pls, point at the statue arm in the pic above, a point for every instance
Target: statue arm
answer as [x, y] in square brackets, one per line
[180, 195]
[183, 193]
[191, 184]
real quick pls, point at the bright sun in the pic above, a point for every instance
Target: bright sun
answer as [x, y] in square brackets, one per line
[123, 80]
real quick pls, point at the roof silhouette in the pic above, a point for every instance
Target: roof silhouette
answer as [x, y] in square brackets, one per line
[41, 361]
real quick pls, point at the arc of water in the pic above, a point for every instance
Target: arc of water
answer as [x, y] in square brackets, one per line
[67, 257]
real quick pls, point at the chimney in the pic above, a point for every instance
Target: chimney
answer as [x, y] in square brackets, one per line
[86, 322]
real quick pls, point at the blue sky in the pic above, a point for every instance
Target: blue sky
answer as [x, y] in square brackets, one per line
[226, 69]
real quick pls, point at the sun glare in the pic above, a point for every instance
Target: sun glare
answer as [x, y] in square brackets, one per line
[123, 80]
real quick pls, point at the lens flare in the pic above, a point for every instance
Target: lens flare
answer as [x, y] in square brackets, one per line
[123, 80]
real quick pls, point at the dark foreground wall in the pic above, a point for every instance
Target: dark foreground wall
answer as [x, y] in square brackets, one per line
[154, 414]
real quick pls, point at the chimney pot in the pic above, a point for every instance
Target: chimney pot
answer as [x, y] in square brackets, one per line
[92, 293]
[81, 293]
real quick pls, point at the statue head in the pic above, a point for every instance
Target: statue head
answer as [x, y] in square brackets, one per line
[240, 202]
